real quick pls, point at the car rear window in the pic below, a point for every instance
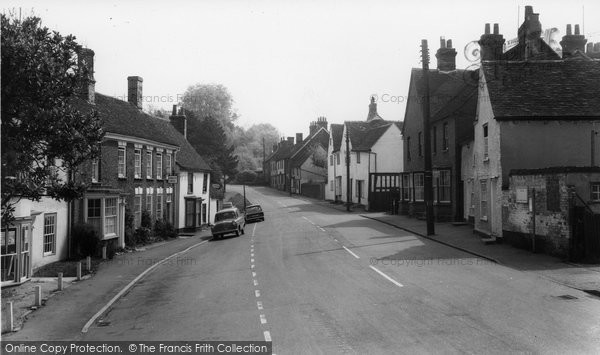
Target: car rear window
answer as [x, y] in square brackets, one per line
[224, 215]
[253, 209]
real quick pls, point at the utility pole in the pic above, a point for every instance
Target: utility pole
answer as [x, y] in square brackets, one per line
[348, 187]
[428, 171]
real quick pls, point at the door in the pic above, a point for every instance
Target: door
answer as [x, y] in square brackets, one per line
[25, 253]
[190, 212]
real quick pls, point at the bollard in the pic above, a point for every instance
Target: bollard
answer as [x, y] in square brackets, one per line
[104, 252]
[10, 317]
[79, 271]
[88, 261]
[60, 281]
[38, 296]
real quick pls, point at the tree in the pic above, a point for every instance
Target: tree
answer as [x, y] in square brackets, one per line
[249, 144]
[44, 138]
[208, 138]
[212, 100]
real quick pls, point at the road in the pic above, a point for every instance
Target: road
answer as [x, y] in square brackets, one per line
[316, 280]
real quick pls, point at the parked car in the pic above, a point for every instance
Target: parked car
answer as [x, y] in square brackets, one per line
[228, 221]
[254, 213]
[227, 205]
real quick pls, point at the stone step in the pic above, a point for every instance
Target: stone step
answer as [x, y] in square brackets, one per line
[488, 240]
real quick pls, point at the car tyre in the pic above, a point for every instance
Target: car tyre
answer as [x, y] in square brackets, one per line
[237, 232]
[243, 231]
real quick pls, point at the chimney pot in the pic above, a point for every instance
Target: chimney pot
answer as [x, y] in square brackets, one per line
[589, 48]
[597, 47]
[487, 28]
[577, 29]
[496, 29]
[449, 43]
[174, 110]
[134, 91]
[528, 11]
[442, 42]
[290, 140]
[179, 121]
[569, 30]
[299, 138]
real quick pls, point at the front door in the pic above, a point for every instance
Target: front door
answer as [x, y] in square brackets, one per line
[190, 212]
[25, 261]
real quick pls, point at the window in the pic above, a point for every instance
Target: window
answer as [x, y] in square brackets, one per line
[50, 234]
[357, 157]
[169, 164]
[434, 139]
[337, 158]
[419, 187]
[95, 170]
[444, 186]
[94, 213]
[190, 183]
[148, 164]
[204, 213]
[159, 173]
[360, 188]
[331, 159]
[149, 204]
[137, 210]
[159, 206]
[420, 144]
[485, 142]
[445, 137]
[137, 164]
[483, 198]
[406, 187]
[408, 148]
[595, 188]
[122, 161]
[110, 216]
[204, 183]
[168, 213]
[330, 185]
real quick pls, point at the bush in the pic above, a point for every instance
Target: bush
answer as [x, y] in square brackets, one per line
[146, 219]
[143, 235]
[164, 230]
[86, 239]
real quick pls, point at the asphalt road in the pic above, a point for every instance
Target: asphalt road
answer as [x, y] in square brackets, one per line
[317, 280]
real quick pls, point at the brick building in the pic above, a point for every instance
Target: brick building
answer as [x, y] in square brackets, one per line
[453, 102]
[139, 153]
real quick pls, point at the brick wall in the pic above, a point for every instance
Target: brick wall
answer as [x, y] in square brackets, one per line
[552, 213]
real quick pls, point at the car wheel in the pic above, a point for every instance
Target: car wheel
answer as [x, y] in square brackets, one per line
[237, 232]
[243, 231]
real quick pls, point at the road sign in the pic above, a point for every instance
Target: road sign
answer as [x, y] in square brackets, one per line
[172, 179]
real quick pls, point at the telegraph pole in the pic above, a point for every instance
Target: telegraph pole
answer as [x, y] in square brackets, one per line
[348, 186]
[428, 171]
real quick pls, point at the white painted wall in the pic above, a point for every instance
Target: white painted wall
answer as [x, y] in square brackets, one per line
[182, 191]
[61, 209]
[390, 152]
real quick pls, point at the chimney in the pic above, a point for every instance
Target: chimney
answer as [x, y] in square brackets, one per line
[179, 121]
[290, 141]
[572, 42]
[134, 91]
[373, 115]
[491, 44]
[87, 89]
[446, 56]
[529, 34]
[275, 147]
[321, 122]
[312, 128]
[298, 138]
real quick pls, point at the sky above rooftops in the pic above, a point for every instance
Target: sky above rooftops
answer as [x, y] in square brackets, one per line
[286, 63]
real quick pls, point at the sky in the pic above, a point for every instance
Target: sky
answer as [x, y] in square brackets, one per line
[285, 63]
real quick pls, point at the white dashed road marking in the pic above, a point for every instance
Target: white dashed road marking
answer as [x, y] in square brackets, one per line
[311, 222]
[255, 283]
[263, 319]
[321, 228]
[267, 335]
[350, 251]
[259, 305]
[253, 274]
[251, 260]
[257, 293]
[386, 276]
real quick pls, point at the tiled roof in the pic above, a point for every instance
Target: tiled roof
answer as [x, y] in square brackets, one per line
[464, 103]
[337, 131]
[123, 118]
[302, 151]
[363, 135]
[517, 52]
[443, 86]
[544, 89]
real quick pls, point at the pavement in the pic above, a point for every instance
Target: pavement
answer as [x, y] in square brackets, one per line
[64, 313]
[578, 276]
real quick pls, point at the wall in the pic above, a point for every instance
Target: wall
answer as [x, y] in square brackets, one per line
[390, 152]
[531, 144]
[467, 169]
[197, 193]
[49, 206]
[488, 169]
